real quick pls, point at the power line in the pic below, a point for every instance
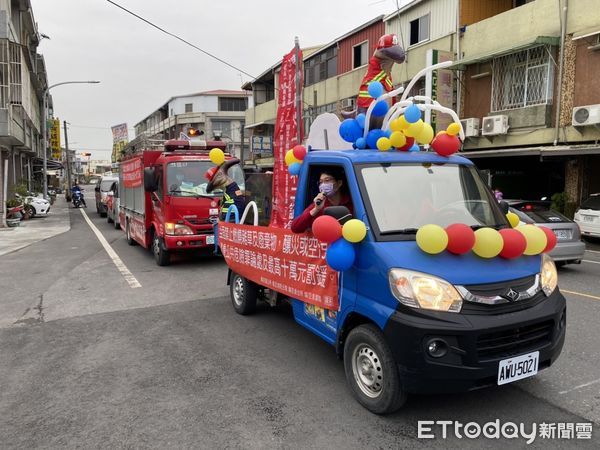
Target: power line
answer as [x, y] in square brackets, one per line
[180, 39]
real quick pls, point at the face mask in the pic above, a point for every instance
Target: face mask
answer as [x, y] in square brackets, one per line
[327, 188]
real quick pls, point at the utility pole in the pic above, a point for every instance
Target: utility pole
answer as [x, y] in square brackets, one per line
[69, 183]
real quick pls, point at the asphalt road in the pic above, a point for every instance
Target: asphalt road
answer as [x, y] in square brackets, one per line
[88, 361]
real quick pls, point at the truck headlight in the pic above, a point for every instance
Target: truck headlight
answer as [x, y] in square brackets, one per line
[548, 275]
[419, 290]
[177, 229]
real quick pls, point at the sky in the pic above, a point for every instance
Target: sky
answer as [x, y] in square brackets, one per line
[140, 68]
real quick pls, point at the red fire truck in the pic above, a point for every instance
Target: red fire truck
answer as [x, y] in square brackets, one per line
[164, 203]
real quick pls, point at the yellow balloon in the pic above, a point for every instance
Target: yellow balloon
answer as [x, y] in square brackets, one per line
[398, 139]
[513, 219]
[290, 158]
[453, 129]
[488, 243]
[354, 230]
[414, 128]
[384, 144]
[426, 134]
[403, 123]
[395, 125]
[217, 156]
[535, 237]
[432, 239]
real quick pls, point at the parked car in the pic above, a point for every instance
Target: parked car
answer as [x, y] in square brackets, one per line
[569, 246]
[35, 205]
[113, 204]
[102, 188]
[588, 216]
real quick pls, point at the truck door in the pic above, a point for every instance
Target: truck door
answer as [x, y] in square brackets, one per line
[158, 202]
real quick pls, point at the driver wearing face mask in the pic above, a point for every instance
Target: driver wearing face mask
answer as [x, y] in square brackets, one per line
[330, 194]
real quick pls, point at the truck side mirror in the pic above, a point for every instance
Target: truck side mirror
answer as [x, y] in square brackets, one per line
[503, 206]
[340, 213]
[150, 182]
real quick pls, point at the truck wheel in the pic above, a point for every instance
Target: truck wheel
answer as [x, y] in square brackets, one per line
[244, 294]
[128, 237]
[371, 370]
[161, 256]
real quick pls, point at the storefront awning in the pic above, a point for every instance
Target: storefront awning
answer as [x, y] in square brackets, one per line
[51, 164]
[539, 40]
[258, 124]
[562, 150]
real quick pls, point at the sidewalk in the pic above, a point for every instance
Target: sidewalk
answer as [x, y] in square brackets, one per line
[36, 229]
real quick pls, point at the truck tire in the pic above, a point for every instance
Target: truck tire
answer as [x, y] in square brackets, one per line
[244, 294]
[161, 256]
[371, 370]
[128, 237]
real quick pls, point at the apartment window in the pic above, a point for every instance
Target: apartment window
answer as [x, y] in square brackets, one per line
[233, 104]
[522, 79]
[189, 107]
[320, 67]
[224, 126]
[360, 54]
[419, 30]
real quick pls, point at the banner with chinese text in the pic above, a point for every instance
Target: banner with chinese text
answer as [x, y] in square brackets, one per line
[120, 139]
[289, 263]
[132, 173]
[55, 139]
[286, 132]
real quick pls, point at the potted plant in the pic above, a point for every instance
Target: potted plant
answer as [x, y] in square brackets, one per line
[14, 212]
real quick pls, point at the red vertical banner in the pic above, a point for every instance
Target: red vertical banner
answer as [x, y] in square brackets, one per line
[287, 129]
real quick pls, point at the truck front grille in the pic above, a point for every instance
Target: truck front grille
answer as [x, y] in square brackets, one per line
[511, 342]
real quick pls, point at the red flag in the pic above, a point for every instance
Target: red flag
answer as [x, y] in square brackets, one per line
[286, 136]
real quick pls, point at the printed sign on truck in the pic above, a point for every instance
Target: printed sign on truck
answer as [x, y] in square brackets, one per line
[132, 173]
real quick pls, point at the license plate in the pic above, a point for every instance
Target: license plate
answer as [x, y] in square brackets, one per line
[588, 218]
[517, 368]
[562, 234]
[210, 239]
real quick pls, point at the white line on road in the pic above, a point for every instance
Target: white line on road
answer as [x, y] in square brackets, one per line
[133, 282]
[593, 251]
[580, 294]
[593, 262]
[580, 386]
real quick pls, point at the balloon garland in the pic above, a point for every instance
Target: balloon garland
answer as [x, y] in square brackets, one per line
[293, 159]
[341, 253]
[405, 133]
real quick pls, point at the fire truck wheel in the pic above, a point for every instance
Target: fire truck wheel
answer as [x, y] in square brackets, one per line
[244, 294]
[371, 370]
[161, 256]
[128, 237]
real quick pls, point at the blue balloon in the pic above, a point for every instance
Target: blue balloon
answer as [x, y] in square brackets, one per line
[414, 148]
[349, 130]
[380, 108]
[361, 143]
[375, 89]
[388, 133]
[412, 114]
[360, 120]
[340, 255]
[373, 136]
[294, 168]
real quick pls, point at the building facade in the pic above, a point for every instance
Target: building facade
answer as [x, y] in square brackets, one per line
[216, 113]
[22, 83]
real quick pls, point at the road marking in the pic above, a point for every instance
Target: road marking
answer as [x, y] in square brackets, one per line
[133, 282]
[592, 251]
[593, 262]
[579, 293]
[580, 386]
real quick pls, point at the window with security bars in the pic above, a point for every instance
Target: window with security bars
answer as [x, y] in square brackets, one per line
[522, 79]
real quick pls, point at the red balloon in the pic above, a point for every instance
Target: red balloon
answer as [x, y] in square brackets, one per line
[445, 145]
[551, 238]
[409, 143]
[327, 229]
[514, 243]
[299, 152]
[461, 238]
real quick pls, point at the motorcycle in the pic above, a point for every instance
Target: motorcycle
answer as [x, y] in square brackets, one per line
[76, 198]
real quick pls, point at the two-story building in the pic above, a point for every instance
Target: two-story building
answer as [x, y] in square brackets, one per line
[22, 82]
[218, 113]
[531, 94]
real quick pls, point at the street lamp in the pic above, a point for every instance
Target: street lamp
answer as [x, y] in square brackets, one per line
[44, 139]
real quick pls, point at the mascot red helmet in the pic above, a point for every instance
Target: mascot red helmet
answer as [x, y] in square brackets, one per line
[210, 173]
[387, 40]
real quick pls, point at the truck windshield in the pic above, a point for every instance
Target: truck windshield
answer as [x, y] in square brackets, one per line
[404, 197]
[186, 178]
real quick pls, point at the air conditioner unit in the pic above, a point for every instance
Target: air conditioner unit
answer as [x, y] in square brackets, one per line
[586, 115]
[470, 126]
[494, 125]
[348, 102]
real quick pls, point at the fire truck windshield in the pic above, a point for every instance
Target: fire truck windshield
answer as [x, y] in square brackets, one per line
[186, 178]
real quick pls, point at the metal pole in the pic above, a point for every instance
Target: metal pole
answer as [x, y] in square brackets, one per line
[45, 142]
[298, 92]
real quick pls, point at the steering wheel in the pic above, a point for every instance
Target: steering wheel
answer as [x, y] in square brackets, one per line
[450, 209]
